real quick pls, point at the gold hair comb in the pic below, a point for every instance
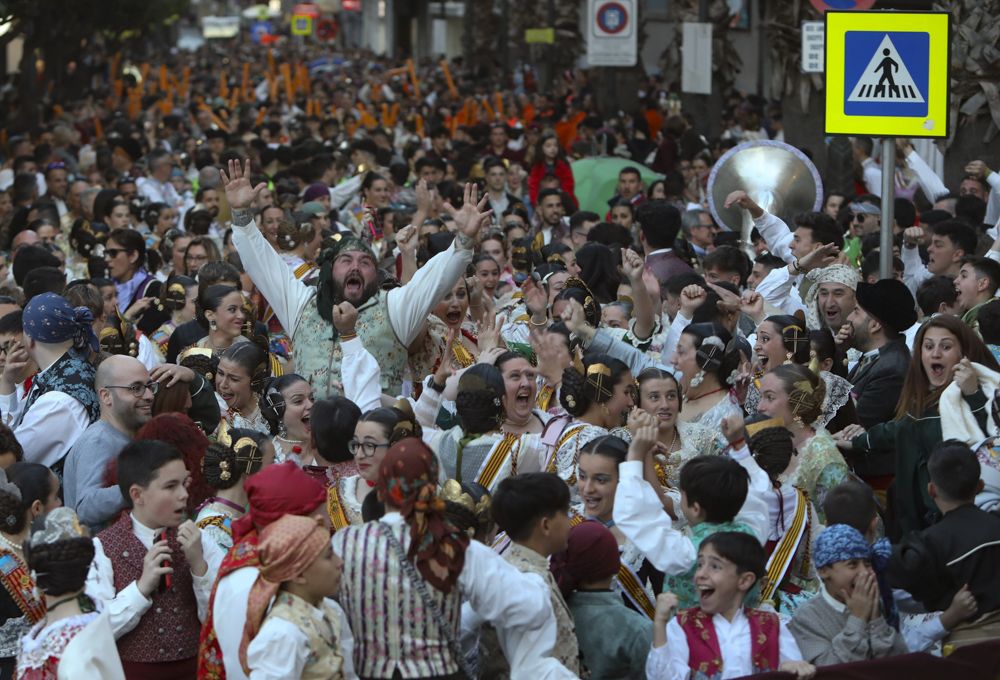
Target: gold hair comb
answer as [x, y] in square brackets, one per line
[753, 428]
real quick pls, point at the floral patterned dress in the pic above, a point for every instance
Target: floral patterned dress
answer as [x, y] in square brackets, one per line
[43, 646]
[818, 467]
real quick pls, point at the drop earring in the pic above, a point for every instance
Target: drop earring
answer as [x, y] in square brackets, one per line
[788, 357]
[698, 378]
[212, 324]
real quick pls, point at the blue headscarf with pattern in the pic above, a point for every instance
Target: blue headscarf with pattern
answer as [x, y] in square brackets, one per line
[839, 543]
[49, 318]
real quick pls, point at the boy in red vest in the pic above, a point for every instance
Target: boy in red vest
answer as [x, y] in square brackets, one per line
[152, 569]
[721, 638]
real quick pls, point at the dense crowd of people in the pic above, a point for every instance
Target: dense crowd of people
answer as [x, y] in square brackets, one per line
[317, 374]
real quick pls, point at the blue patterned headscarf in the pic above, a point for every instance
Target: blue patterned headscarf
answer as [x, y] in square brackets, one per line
[49, 318]
[839, 543]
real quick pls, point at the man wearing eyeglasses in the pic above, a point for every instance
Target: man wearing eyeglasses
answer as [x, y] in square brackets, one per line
[125, 392]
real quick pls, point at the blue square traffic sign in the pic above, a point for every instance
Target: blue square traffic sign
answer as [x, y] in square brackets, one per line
[886, 73]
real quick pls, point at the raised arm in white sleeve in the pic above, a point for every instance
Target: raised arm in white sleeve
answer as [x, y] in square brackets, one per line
[342, 193]
[993, 200]
[931, 184]
[273, 278]
[915, 271]
[361, 375]
[780, 289]
[519, 607]
[639, 514]
[410, 305]
[754, 513]
[776, 235]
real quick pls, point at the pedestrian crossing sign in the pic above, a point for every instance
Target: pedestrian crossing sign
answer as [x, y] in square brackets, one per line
[887, 73]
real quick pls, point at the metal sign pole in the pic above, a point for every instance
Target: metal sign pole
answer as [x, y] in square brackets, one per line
[888, 206]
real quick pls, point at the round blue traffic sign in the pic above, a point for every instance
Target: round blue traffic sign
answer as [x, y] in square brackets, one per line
[612, 17]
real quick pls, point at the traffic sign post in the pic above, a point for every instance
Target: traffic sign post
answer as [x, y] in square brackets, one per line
[887, 76]
[612, 33]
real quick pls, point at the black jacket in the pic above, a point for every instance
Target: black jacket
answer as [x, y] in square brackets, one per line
[877, 385]
[963, 548]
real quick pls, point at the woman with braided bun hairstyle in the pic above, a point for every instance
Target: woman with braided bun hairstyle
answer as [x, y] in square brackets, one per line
[235, 455]
[477, 450]
[374, 433]
[764, 445]
[598, 397]
[178, 297]
[287, 406]
[26, 491]
[707, 359]
[298, 241]
[795, 394]
[785, 339]
[73, 640]
[660, 395]
[239, 385]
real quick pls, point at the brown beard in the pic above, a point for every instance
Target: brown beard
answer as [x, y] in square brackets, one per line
[366, 294]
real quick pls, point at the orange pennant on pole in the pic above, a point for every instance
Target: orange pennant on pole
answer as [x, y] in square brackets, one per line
[413, 77]
[447, 78]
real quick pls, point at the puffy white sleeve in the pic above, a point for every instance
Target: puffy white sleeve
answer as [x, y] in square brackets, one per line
[754, 513]
[409, 305]
[213, 554]
[915, 271]
[275, 280]
[125, 608]
[361, 375]
[639, 514]
[279, 651]
[776, 234]
[928, 179]
[51, 427]
[669, 662]
[519, 607]
[993, 200]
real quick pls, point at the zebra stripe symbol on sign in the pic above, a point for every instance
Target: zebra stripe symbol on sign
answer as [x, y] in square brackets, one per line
[886, 78]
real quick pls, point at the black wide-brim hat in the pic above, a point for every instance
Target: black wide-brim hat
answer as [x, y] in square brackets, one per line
[889, 301]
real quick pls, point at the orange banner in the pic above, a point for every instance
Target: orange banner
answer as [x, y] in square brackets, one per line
[447, 78]
[413, 77]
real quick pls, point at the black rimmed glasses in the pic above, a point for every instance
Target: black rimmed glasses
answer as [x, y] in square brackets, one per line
[138, 389]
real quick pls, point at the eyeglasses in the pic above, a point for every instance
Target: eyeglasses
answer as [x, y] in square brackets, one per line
[367, 448]
[114, 252]
[511, 225]
[138, 389]
[196, 258]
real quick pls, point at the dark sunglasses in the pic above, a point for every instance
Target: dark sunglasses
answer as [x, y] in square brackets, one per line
[114, 252]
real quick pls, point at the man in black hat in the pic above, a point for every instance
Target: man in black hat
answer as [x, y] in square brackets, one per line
[883, 311]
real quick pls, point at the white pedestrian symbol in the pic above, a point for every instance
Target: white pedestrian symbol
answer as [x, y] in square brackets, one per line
[886, 79]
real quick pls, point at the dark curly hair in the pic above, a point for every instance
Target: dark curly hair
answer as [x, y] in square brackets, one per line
[226, 466]
[579, 390]
[60, 567]
[480, 390]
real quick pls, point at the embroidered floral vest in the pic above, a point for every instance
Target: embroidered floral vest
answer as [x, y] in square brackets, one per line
[704, 654]
[318, 356]
[72, 374]
[325, 661]
[169, 630]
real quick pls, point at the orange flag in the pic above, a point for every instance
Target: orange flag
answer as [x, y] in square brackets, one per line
[413, 77]
[185, 81]
[447, 78]
[163, 77]
[270, 63]
[98, 128]
[245, 80]
[419, 125]
[286, 73]
[261, 114]
[224, 86]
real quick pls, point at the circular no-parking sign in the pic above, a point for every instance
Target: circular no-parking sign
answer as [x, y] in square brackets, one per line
[840, 5]
[612, 18]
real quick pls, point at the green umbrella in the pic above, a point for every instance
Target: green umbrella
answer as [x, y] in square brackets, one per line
[596, 180]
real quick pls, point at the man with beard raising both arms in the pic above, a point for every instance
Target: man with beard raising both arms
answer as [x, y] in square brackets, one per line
[318, 318]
